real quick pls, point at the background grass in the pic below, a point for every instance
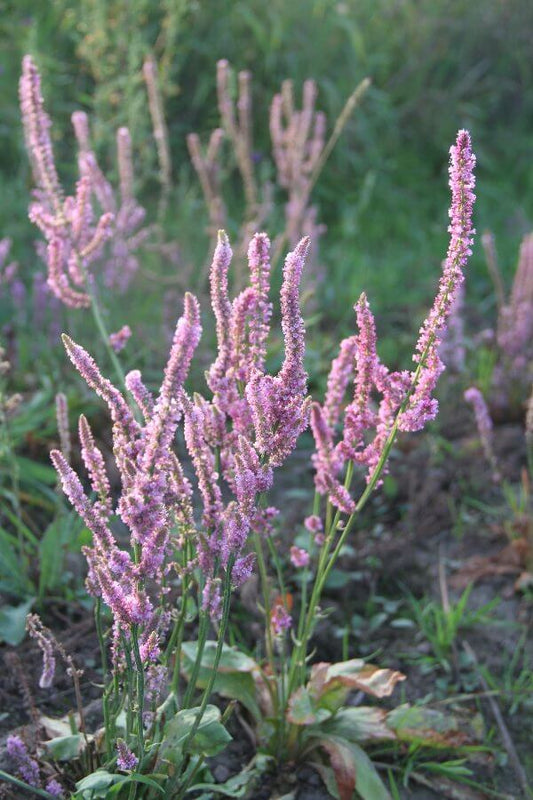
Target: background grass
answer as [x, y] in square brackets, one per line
[435, 66]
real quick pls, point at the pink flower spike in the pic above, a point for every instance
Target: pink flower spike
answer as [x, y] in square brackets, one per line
[292, 376]
[342, 369]
[126, 760]
[63, 425]
[94, 462]
[421, 407]
[484, 425]
[37, 131]
[86, 366]
[221, 307]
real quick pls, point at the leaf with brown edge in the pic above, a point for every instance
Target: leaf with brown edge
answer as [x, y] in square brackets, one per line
[352, 768]
[302, 709]
[360, 724]
[428, 726]
[331, 683]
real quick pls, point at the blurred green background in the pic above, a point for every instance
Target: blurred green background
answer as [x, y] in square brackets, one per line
[436, 66]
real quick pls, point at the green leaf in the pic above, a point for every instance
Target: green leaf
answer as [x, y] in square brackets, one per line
[237, 676]
[210, 738]
[135, 778]
[96, 785]
[428, 726]
[65, 748]
[13, 622]
[51, 556]
[239, 785]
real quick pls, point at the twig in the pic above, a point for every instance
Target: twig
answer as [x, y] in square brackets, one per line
[504, 732]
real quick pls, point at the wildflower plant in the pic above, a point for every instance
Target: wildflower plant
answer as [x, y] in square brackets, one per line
[184, 530]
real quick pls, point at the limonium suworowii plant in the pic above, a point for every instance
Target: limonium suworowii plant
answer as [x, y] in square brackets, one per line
[198, 539]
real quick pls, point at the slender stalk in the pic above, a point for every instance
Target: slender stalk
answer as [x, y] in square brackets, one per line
[140, 689]
[11, 779]
[226, 593]
[103, 656]
[352, 103]
[104, 333]
[202, 638]
[266, 600]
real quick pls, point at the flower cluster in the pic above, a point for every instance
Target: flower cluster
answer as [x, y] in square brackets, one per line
[75, 233]
[237, 438]
[406, 401]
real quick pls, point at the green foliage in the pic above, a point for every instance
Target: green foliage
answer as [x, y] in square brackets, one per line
[441, 627]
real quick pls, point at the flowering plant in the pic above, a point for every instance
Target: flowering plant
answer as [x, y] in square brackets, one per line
[189, 528]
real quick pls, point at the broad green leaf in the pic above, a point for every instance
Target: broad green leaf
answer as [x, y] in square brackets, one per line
[237, 674]
[434, 728]
[360, 724]
[13, 622]
[65, 748]
[210, 738]
[97, 784]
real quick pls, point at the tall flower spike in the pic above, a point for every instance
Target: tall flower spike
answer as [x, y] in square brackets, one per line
[421, 408]
[89, 513]
[86, 366]
[94, 462]
[221, 307]
[37, 131]
[484, 425]
[162, 426]
[359, 416]
[342, 369]
[293, 376]
[63, 424]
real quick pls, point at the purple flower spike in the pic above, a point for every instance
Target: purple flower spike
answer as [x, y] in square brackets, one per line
[221, 308]
[25, 765]
[55, 789]
[342, 369]
[126, 759]
[484, 425]
[293, 377]
[422, 408]
[94, 461]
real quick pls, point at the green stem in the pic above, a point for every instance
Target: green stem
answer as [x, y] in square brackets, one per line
[266, 600]
[226, 602]
[103, 656]
[104, 333]
[140, 689]
[11, 779]
[202, 638]
[176, 640]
